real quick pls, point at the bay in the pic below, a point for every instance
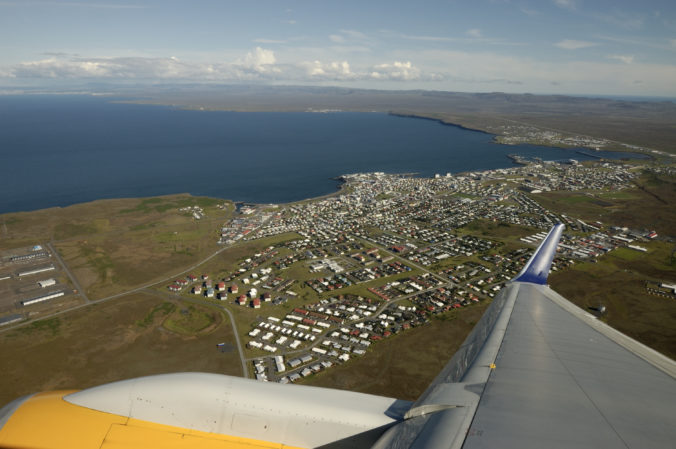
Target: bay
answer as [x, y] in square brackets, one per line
[60, 150]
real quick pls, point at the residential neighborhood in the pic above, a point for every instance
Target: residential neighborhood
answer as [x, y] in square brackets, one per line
[389, 252]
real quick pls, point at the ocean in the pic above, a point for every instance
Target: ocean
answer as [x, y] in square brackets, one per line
[59, 150]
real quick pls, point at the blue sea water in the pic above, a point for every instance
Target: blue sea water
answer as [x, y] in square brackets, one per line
[61, 150]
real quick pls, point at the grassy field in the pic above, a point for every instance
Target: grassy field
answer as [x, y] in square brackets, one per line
[649, 205]
[497, 232]
[192, 319]
[617, 281]
[113, 245]
[110, 341]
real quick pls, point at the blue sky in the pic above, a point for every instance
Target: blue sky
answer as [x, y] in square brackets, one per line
[548, 46]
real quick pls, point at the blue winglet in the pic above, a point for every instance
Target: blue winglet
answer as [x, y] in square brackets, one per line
[537, 268]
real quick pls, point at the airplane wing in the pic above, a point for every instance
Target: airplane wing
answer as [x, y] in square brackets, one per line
[535, 372]
[538, 371]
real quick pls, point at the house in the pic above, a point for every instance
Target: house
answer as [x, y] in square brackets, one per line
[234, 288]
[267, 297]
[220, 286]
[256, 303]
[222, 296]
[242, 300]
[209, 293]
[175, 288]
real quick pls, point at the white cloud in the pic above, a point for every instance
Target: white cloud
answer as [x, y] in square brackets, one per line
[433, 68]
[257, 64]
[566, 4]
[627, 59]
[571, 44]
[56, 68]
[672, 42]
[260, 60]
[332, 70]
[337, 38]
[474, 32]
[400, 71]
[6, 73]
[106, 68]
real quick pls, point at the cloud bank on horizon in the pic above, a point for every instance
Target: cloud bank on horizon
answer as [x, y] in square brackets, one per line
[616, 47]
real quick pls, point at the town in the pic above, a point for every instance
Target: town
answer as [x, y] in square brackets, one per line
[388, 252]
[322, 281]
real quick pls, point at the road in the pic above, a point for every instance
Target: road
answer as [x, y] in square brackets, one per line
[89, 302]
[402, 259]
[245, 371]
[374, 315]
[72, 277]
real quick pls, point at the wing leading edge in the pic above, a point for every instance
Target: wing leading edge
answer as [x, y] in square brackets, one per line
[538, 371]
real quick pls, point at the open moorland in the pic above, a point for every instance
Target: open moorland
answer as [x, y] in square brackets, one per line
[113, 245]
[650, 204]
[618, 282]
[135, 335]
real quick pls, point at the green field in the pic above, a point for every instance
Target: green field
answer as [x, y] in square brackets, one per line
[113, 245]
[649, 206]
[617, 281]
[111, 341]
[190, 319]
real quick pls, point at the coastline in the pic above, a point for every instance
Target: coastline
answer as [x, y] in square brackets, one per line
[496, 137]
[441, 121]
[432, 116]
[314, 184]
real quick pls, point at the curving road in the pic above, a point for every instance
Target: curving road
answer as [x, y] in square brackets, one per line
[245, 371]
